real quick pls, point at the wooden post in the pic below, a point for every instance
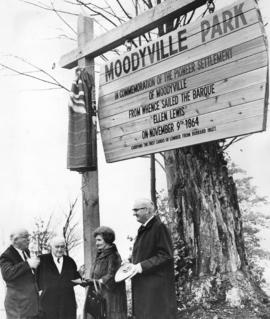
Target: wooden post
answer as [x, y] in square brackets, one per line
[153, 179]
[90, 197]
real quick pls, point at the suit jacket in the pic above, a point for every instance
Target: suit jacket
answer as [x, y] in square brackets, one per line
[153, 291]
[22, 294]
[57, 299]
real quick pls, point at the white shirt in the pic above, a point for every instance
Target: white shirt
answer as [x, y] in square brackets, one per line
[59, 264]
[148, 220]
[21, 254]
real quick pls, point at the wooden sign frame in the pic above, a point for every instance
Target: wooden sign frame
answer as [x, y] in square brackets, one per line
[205, 81]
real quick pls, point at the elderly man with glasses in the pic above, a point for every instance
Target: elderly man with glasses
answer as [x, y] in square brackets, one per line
[18, 270]
[153, 290]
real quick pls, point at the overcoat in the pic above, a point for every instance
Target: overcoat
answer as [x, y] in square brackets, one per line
[153, 291]
[106, 264]
[57, 299]
[22, 294]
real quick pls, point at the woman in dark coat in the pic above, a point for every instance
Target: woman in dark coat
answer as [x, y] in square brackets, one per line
[106, 264]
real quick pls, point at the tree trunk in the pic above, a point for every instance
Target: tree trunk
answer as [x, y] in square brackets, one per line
[210, 255]
[205, 221]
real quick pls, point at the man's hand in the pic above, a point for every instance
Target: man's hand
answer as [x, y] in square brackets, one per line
[33, 262]
[77, 281]
[100, 281]
[94, 120]
[125, 262]
[135, 269]
[82, 271]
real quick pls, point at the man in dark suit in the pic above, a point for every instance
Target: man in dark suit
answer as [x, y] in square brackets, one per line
[153, 290]
[17, 269]
[54, 277]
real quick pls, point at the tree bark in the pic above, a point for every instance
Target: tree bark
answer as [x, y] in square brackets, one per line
[209, 218]
[208, 237]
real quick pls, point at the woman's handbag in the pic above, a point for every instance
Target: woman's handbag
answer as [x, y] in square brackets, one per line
[95, 304]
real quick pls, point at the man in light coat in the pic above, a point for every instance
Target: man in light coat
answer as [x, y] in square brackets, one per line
[153, 290]
[18, 268]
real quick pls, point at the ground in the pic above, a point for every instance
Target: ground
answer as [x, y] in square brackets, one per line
[224, 312]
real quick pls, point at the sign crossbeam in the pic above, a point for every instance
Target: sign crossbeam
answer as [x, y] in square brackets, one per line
[139, 25]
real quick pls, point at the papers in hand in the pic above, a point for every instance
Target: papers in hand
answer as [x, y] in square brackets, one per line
[126, 271]
[83, 282]
[77, 281]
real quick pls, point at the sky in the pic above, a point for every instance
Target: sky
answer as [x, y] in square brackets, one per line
[33, 136]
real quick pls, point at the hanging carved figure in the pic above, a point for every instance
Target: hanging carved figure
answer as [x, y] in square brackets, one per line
[81, 155]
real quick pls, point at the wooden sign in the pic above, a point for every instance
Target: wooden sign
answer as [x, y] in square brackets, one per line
[203, 82]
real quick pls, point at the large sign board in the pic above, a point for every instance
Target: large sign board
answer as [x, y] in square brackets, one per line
[203, 82]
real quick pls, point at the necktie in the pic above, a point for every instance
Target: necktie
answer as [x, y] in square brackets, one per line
[141, 229]
[24, 255]
[58, 260]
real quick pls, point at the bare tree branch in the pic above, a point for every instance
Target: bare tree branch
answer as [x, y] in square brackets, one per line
[235, 140]
[64, 36]
[99, 13]
[112, 13]
[69, 234]
[121, 20]
[191, 16]
[121, 6]
[156, 160]
[62, 19]
[150, 4]
[47, 8]
[12, 74]
[31, 76]
[56, 82]
[39, 69]
[69, 215]
[41, 236]
[47, 89]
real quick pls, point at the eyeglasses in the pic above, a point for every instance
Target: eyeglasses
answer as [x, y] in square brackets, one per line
[59, 246]
[26, 236]
[137, 209]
